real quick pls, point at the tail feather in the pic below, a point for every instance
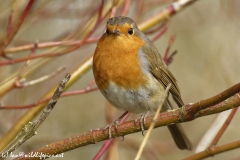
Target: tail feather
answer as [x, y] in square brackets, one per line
[177, 131]
[180, 137]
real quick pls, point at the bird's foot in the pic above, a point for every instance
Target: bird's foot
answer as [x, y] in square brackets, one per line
[142, 121]
[109, 126]
[115, 124]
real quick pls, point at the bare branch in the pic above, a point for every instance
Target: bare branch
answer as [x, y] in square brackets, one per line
[214, 150]
[29, 129]
[11, 35]
[224, 127]
[183, 114]
[43, 78]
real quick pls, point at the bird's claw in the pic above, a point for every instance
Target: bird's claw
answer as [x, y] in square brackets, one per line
[109, 126]
[142, 121]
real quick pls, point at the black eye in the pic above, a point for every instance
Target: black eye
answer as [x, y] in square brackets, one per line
[107, 31]
[130, 31]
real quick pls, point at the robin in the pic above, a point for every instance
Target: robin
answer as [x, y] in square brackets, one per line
[130, 73]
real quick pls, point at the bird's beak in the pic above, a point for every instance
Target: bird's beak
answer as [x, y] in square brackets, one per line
[116, 31]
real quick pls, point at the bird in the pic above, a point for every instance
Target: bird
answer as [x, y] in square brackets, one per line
[131, 74]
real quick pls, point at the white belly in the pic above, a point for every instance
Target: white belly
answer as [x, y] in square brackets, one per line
[140, 100]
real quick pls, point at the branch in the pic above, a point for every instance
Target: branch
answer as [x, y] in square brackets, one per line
[29, 129]
[64, 94]
[24, 68]
[24, 83]
[126, 7]
[224, 127]
[66, 51]
[49, 44]
[11, 35]
[183, 114]
[214, 150]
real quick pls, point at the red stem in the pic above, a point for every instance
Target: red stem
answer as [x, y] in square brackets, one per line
[9, 26]
[66, 51]
[224, 127]
[24, 68]
[65, 94]
[161, 33]
[50, 44]
[126, 7]
[13, 33]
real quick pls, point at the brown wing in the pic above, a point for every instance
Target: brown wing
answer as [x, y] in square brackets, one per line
[161, 72]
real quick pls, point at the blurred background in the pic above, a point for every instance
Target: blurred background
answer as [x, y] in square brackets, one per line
[207, 62]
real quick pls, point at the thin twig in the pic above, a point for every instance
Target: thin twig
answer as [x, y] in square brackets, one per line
[167, 59]
[29, 129]
[224, 127]
[49, 44]
[9, 26]
[13, 32]
[87, 36]
[209, 135]
[144, 142]
[160, 27]
[126, 7]
[64, 94]
[24, 68]
[43, 78]
[164, 29]
[214, 150]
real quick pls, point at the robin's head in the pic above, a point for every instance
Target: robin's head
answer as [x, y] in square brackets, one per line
[119, 26]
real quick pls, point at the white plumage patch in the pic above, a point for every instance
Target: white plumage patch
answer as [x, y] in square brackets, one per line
[144, 98]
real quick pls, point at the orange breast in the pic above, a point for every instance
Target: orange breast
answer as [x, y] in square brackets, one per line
[116, 59]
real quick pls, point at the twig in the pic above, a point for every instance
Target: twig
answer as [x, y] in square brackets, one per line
[113, 11]
[164, 29]
[24, 68]
[9, 25]
[214, 150]
[64, 94]
[168, 59]
[163, 98]
[160, 27]
[224, 127]
[221, 123]
[209, 135]
[13, 32]
[166, 13]
[29, 129]
[31, 113]
[87, 36]
[90, 85]
[49, 44]
[43, 78]
[126, 7]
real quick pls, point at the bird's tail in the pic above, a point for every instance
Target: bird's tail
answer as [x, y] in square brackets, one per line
[180, 137]
[177, 131]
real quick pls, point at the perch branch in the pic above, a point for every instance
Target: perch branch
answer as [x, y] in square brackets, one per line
[183, 114]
